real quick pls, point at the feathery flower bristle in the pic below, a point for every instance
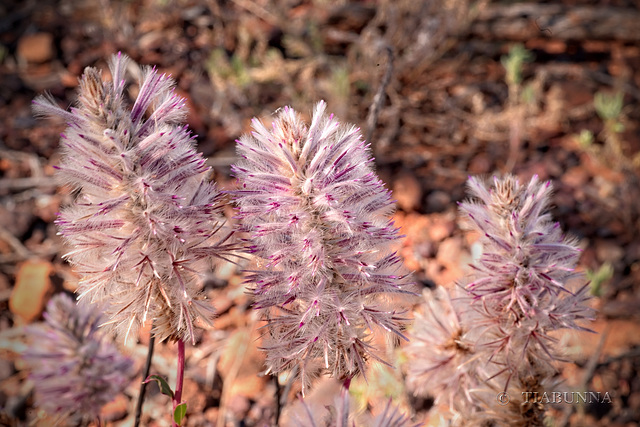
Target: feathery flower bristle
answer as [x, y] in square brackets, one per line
[442, 354]
[319, 221]
[522, 282]
[339, 414]
[75, 368]
[146, 214]
[497, 337]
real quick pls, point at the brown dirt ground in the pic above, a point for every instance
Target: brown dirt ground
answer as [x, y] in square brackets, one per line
[446, 113]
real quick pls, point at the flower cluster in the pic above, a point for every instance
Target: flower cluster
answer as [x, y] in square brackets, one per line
[339, 415]
[318, 218]
[519, 294]
[522, 280]
[75, 369]
[442, 351]
[146, 214]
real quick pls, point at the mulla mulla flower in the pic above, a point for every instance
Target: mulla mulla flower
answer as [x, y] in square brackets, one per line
[318, 218]
[75, 368]
[442, 358]
[493, 341]
[522, 291]
[522, 283]
[146, 214]
[338, 415]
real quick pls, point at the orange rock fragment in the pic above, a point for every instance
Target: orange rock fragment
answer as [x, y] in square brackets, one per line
[408, 192]
[31, 290]
[116, 409]
[36, 48]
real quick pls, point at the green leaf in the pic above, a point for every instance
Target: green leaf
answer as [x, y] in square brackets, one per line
[162, 383]
[180, 412]
[585, 138]
[618, 127]
[514, 61]
[600, 277]
[608, 105]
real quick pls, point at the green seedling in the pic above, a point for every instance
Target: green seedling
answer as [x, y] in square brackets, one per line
[340, 83]
[599, 277]
[608, 106]
[585, 139]
[514, 61]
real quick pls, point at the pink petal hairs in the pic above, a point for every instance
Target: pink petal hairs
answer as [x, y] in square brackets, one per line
[146, 220]
[319, 223]
[494, 336]
[146, 215]
[76, 369]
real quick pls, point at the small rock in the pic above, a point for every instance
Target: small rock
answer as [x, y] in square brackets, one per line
[68, 79]
[30, 291]
[115, 410]
[225, 271]
[425, 250]
[409, 256]
[442, 226]
[222, 303]
[249, 386]
[480, 164]
[407, 191]
[239, 405]
[36, 48]
[449, 252]
[193, 394]
[575, 177]
[433, 270]
[634, 402]
[609, 251]
[438, 201]
[211, 415]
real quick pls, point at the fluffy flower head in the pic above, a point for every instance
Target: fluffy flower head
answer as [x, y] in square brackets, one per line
[442, 359]
[318, 217]
[523, 279]
[75, 368]
[146, 214]
[496, 337]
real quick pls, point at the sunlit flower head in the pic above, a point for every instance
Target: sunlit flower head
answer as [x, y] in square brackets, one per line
[319, 224]
[146, 215]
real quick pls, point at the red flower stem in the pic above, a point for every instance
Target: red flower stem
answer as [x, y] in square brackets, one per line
[342, 417]
[177, 395]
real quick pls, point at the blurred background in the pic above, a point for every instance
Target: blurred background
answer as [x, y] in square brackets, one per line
[441, 90]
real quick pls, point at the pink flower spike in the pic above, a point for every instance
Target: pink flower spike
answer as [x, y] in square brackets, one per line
[130, 166]
[328, 216]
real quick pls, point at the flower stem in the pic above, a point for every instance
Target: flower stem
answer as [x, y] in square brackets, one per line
[347, 383]
[177, 396]
[143, 386]
[279, 398]
[342, 417]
